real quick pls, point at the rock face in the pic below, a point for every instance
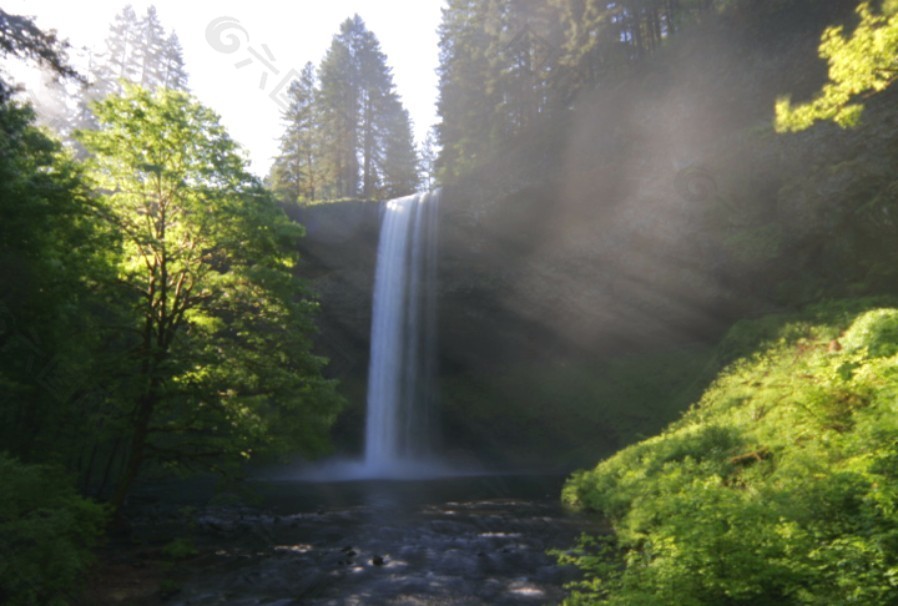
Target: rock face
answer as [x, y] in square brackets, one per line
[339, 254]
[528, 285]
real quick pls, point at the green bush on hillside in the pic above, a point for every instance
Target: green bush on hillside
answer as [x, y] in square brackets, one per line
[778, 487]
[46, 534]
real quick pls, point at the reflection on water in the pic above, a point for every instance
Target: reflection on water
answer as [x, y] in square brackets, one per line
[470, 540]
[283, 493]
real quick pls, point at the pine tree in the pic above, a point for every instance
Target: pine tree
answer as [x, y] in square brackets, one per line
[507, 66]
[150, 51]
[171, 71]
[355, 132]
[137, 50]
[294, 173]
[120, 60]
[339, 80]
[467, 89]
[399, 167]
[428, 157]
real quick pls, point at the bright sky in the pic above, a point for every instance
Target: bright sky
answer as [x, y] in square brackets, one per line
[275, 35]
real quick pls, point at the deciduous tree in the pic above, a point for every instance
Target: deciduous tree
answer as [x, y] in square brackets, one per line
[222, 368]
[861, 64]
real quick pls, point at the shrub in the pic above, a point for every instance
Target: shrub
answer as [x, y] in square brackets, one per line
[776, 488]
[46, 535]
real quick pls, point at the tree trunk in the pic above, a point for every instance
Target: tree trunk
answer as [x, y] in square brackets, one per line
[368, 148]
[138, 448]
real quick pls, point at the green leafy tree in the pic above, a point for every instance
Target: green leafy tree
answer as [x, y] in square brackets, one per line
[47, 533]
[862, 64]
[221, 368]
[51, 260]
[48, 264]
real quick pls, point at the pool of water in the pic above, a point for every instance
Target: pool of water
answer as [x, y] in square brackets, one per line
[465, 540]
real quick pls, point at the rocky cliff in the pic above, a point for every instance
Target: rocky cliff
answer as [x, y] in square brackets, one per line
[586, 271]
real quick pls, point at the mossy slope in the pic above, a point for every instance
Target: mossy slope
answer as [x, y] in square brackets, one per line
[778, 487]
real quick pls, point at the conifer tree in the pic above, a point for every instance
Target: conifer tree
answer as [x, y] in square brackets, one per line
[171, 70]
[120, 59]
[339, 114]
[350, 136]
[294, 173]
[137, 50]
[400, 160]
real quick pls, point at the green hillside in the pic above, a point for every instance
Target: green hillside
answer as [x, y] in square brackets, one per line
[777, 487]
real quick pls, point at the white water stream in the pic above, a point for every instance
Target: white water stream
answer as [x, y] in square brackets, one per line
[399, 435]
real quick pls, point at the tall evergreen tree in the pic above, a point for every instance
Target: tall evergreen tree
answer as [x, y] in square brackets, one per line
[171, 72]
[150, 52]
[504, 65]
[120, 60]
[136, 50]
[350, 136]
[294, 173]
[399, 166]
[468, 93]
[428, 157]
[339, 77]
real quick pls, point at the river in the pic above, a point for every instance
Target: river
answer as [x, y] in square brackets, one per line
[471, 540]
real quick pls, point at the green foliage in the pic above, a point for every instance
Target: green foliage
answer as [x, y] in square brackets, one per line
[774, 489]
[46, 535]
[221, 368]
[877, 331]
[53, 256]
[866, 62]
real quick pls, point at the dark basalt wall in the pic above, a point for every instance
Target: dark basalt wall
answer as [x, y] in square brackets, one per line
[522, 296]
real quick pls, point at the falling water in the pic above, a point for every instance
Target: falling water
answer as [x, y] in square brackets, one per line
[399, 433]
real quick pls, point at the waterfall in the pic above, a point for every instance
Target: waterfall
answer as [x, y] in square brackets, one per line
[399, 435]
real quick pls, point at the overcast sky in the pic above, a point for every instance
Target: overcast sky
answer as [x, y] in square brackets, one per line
[272, 40]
